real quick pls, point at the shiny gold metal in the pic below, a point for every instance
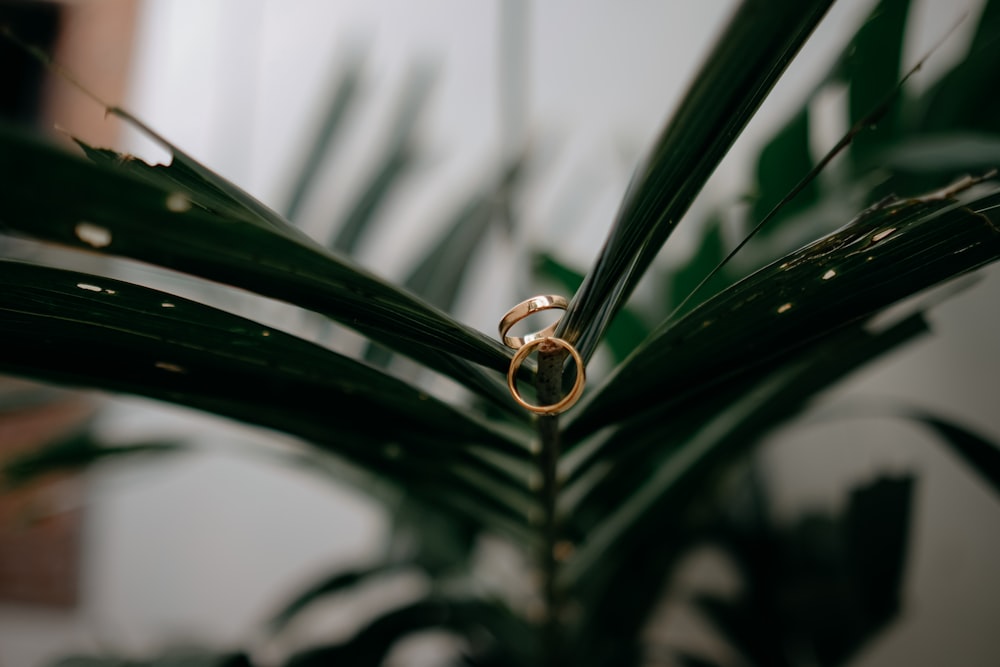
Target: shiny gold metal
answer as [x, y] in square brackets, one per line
[567, 401]
[523, 310]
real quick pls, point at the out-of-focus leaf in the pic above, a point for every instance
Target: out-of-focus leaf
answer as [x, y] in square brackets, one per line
[781, 163]
[963, 99]
[829, 583]
[56, 197]
[758, 43]
[18, 394]
[645, 527]
[873, 66]
[876, 533]
[942, 154]
[438, 545]
[686, 455]
[390, 476]
[169, 659]
[981, 454]
[389, 169]
[891, 251]
[687, 277]
[370, 645]
[76, 453]
[686, 659]
[439, 275]
[331, 128]
[338, 582]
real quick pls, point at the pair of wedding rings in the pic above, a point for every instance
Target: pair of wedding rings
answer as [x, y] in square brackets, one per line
[526, 344]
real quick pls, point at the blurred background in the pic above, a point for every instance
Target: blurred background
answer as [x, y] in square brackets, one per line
[199, 548]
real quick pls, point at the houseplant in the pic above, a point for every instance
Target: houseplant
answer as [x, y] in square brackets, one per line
[604, 499]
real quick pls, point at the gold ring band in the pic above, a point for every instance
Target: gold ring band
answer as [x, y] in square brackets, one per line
[566, 401]
[523, 310]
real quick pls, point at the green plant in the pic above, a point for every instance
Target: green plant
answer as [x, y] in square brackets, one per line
[605, 500]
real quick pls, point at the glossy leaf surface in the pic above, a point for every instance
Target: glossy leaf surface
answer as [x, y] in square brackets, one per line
[890, 252]
[56, 197]
[748, 58]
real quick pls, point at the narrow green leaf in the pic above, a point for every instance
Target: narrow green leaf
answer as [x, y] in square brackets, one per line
[785, 159]
[82, 329]
[748, 58]
[800, 198]
[830, 581]
[56, 197]
[375, 193]
[626, 332]
[963, 99]
[891, 251]
[76, 453]
[710, 442]
[392, 166]
[170, 658]
[201, 181]
[982, 455]
[683, 280]
[873, 66]
[344, 94]
[941, 155]
[388, 473]
[686, 659]
[189, 187]
[439, 275]
[494, 634]
[338, 582]
[976, 450]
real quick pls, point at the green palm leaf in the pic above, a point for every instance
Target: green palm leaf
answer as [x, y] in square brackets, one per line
[749, 57]
[58, 198]
[890, 252]
[74, 328]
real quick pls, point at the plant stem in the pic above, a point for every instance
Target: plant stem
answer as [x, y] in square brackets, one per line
[548, 385]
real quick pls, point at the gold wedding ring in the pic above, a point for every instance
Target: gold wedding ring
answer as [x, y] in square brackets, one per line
[566, 401]
[523, 310]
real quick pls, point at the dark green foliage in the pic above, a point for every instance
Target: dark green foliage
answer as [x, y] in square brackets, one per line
[823, 586]
[607, 500]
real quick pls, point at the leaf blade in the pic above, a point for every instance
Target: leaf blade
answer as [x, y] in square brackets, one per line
[759, 41]
[912, 244]
[53, 194]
